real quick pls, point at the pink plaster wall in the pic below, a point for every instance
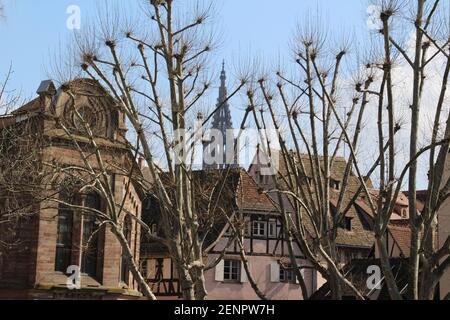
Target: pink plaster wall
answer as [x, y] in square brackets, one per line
[261, 270]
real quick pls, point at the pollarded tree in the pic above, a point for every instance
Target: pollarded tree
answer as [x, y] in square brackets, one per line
[314, 131]
[157, 76]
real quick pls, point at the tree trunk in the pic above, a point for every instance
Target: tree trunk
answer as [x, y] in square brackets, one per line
[415, 108]
[187, 285]
[386, 268]
[132, 265]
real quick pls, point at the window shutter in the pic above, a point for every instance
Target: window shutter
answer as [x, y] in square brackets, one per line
[248, 227]
[243, 273]
[219, 271]
[275, 272]
[302, 272]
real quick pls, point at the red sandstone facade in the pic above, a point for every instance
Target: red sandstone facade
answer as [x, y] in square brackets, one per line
[28, 269]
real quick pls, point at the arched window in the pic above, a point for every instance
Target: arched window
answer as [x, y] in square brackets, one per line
[90, 235]
[125, 270]
[64, 236]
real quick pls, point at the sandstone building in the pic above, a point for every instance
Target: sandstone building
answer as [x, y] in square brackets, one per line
[50, 236]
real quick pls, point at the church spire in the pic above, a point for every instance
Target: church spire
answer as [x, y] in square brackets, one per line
[222, 123]
[223, 85]
[222, 117]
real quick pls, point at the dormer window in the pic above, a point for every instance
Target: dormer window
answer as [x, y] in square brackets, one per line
[334, 184]
[347, 224]
[404, 213]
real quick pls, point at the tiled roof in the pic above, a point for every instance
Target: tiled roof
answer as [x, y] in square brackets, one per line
[238, 192]
[31, 106]
[356, 272]
[421, 196]
[401, 234]
[251, 197]
[359, 236]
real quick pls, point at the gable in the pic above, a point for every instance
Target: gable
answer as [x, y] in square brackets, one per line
[85, 103]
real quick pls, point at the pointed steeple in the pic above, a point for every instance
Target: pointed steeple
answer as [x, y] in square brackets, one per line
[222, 122]
[223, 84]
[222, 118]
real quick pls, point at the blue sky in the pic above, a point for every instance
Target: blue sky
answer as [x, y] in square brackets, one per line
[33, 29]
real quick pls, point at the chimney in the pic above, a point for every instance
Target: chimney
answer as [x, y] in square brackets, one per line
[46, 92]
[141, 162]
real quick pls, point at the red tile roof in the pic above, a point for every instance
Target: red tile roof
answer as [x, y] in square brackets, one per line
[421, 196]
[401, 234]
[250, 196]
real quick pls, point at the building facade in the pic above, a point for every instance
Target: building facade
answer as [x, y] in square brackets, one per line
[264, 243]
[355, 238]
[58, 240]
[443, 234]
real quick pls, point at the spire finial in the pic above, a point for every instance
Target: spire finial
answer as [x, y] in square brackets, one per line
[223, 77]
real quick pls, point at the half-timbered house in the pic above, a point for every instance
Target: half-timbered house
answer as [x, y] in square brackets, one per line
[355, 238]
[264, 245]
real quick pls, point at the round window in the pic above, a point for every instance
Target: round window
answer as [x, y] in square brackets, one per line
[86, 117]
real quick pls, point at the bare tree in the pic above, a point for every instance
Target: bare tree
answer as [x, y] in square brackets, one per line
[157, 77]
[314, 130]
[21, 179]
[431, 46]
[9, 98]
[159, 81]
[2, 10]
[306, 179]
